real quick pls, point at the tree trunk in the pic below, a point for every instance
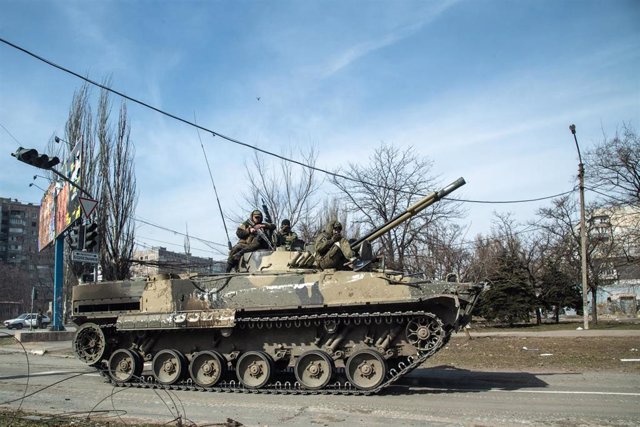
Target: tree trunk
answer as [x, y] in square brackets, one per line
[594, 307]
[556, 313]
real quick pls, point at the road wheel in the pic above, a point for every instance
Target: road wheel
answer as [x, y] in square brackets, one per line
[168, 366]
[206, 368]
[19, 326]
[125, 365]
[314, 369]
[366, 369]
[254, 369]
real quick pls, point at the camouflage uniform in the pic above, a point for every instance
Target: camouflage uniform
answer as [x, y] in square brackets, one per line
[250, 241]
[285, 237]
[332, 250]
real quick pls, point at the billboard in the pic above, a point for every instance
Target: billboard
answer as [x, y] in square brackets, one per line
[46, 223]
[59, 211]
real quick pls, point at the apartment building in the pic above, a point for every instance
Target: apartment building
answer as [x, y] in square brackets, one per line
[23, 266]
[158, 260]
[616, 230]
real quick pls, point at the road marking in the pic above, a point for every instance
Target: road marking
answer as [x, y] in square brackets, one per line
[601, 393]
[40, 374]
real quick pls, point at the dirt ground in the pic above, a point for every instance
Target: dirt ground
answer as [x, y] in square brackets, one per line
[538, 354]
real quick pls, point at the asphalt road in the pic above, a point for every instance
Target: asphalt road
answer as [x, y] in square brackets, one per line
[56, 383]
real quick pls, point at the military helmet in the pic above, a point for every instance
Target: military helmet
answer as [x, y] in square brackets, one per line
[256, 212]
[337, 225]
[285, 222]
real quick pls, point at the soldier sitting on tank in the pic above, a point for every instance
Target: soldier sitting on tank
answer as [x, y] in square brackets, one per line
[333, 250]
[285, 237]
[253, 234]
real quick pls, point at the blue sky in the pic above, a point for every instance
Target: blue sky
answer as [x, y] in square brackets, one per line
[486, 89]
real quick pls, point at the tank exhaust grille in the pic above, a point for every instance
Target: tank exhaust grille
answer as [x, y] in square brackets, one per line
[114, 306]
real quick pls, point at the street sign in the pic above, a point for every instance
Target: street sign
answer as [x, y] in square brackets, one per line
[88, 206]
[84, 257]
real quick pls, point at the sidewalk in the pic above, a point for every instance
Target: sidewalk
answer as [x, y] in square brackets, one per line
[40, 342]
[569, 333]
[40, 348]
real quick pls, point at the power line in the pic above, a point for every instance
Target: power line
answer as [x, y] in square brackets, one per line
[174, 244]
[10, 134]
[173, 116]
[511, 201]
[207, 242]
[608, 196]
[238, 142]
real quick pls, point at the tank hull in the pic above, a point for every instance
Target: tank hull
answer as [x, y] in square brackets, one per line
[317, 330]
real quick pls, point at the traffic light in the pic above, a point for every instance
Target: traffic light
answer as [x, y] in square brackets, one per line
[90, 236]
[31, 157]
[76, 237]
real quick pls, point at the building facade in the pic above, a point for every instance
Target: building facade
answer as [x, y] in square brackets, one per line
[22, 266]
[158, 260]
[616, 230]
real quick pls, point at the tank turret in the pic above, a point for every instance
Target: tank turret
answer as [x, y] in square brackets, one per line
[281, 324]
[280, 260]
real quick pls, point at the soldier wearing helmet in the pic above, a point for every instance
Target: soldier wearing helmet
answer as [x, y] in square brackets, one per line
[285, 236]
[332, 249]
[253, 234]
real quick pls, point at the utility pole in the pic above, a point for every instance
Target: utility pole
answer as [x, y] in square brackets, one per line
[583, 234]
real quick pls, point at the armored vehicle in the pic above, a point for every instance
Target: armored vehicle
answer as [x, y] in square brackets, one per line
[281, 324]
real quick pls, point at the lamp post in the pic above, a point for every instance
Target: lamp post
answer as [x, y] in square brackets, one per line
[583, 233]
[37, 186]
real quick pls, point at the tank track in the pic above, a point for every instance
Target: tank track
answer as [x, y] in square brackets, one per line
[394, 373]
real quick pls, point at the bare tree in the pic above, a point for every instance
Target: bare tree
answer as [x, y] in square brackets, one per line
[506, 235]
[78, 132]
[287, 190]
[386, 186]
[614, 166]
[118, 195]
[443, 252]
[507, 259]
[108, 174]
[15, 284]
[561, 225]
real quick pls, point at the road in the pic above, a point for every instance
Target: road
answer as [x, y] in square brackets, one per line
[56, 383]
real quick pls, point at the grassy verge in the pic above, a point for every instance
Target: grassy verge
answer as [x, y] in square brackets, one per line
[538, 354]
[563, 325]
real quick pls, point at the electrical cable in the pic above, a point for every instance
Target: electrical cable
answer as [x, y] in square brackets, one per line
[142, 243]
[233, 140]
[10, 134]
[607, 195]
[26, 386]
[488, 202]
[178, 232]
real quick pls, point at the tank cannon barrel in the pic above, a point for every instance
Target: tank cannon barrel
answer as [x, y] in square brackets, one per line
[412, 211]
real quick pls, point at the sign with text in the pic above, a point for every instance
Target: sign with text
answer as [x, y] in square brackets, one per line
[84, 257]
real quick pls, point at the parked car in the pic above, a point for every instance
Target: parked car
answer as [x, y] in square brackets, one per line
[27, 320]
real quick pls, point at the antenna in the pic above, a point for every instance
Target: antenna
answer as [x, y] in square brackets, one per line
[214, 185]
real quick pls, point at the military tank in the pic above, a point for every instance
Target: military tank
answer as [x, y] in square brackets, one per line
[280, 324]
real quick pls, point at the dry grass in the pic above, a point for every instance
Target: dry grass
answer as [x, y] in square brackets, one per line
[535, 354]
